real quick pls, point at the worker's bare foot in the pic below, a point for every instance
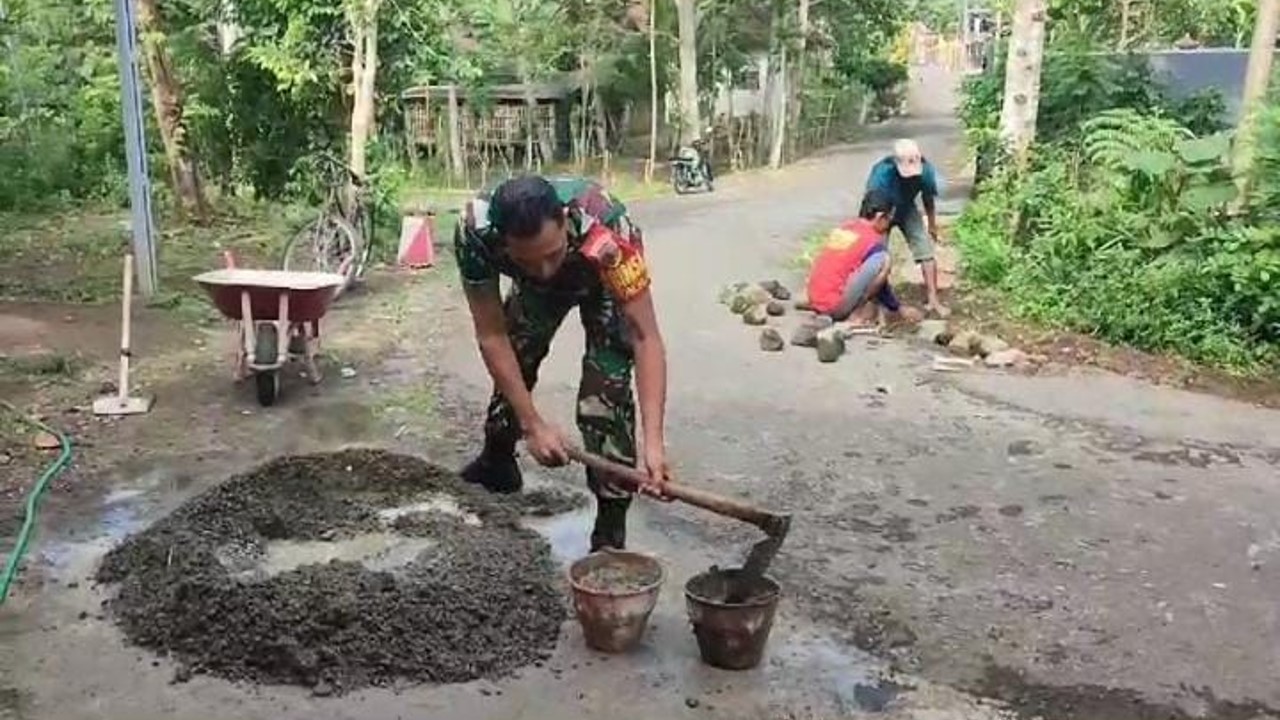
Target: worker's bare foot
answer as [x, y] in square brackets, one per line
[937, 310]
[909, 315]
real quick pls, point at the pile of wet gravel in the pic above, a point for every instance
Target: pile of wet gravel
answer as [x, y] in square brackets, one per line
[479, 600]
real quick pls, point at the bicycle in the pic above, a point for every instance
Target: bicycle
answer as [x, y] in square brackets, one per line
[340, 240]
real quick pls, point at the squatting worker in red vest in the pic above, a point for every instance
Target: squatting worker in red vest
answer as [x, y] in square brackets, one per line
[565, 243]
[850, 275]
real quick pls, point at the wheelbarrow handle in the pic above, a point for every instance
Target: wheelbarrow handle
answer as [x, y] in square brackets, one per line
[634, 479]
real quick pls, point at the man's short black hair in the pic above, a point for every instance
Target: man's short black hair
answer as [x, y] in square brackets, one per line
[521, 205]
[875, 202]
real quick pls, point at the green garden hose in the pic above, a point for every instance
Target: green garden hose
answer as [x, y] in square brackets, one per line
[33, 498]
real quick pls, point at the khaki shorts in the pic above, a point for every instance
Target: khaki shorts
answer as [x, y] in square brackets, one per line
[911, 225]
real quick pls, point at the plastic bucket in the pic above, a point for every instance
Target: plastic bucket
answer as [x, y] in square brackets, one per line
[730, 636]
[614, 593]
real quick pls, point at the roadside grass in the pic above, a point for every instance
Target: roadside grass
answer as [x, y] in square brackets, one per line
[74, 256]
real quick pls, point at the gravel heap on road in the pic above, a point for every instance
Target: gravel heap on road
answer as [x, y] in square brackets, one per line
[480, 601]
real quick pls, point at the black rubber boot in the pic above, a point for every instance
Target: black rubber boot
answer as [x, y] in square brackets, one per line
[496, 471]
[611, 524]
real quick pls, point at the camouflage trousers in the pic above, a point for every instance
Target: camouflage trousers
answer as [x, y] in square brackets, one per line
[606, 413]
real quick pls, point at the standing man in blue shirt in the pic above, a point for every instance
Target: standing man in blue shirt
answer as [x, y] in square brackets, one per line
[906, 175]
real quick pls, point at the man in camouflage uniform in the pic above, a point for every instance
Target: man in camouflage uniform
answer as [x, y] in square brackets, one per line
[565, 243]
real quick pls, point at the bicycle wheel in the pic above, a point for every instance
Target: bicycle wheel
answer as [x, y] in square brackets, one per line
[363, 226]
[328, 244]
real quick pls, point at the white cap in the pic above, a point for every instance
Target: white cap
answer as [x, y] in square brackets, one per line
[906, 155]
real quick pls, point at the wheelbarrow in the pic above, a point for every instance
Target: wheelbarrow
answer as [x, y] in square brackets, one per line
[268, 305]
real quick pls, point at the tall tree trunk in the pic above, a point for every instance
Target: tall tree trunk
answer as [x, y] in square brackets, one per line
[582, 137]
[457, 160]
[602, 127]
[1126, 17]
[1257, 80]
[690, 117]
[796, 84]
[1022, 78]
[530, 131]
[166, 94]
[653, 92]
[778, 128]
[768, 96]
[530, 113]
[363, 16]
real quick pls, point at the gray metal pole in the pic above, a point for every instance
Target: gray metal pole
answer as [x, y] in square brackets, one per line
[143, 223]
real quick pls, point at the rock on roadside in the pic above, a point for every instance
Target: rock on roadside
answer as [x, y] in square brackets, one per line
[830, 344]
[1009, 357]
[820, 322]
[756, 315]
[771, 340]
[747, 298]
[934, 331]
[775, 308]
[964, 343]
[776, 289]
[990, 344]
[805, 336]
[728, 292]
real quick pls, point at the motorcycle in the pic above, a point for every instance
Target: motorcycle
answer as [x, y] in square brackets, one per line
[690, 169]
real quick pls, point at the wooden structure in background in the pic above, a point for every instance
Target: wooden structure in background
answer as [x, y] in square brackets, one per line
[492, 124]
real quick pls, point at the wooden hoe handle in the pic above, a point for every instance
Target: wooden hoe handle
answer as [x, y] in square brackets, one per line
[633, 479]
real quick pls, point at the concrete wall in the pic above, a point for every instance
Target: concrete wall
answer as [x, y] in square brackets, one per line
[1187, 72]
[744, 101]
[1190, 71]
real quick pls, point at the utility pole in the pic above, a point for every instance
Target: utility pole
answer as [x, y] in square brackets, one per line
[143, 223]
[1257, 79]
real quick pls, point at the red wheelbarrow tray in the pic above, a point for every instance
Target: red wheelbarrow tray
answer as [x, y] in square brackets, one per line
[310, 293]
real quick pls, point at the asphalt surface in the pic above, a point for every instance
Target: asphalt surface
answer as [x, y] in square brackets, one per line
[1078, 545]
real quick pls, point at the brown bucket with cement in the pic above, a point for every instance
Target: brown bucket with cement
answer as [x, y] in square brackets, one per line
[614, 593]
[730, 636]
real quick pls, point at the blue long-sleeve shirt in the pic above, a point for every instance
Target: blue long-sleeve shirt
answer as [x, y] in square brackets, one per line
[904, 191]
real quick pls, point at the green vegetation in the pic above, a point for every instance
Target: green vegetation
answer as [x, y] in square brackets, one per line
[1126, 225]
[250, 98]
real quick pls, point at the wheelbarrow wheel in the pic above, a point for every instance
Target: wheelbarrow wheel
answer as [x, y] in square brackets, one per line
[267, 351]
[268, 386]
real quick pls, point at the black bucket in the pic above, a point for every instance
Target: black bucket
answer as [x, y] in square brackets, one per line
[730, 636]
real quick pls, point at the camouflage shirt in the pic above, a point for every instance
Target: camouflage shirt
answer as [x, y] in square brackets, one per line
[605, 248]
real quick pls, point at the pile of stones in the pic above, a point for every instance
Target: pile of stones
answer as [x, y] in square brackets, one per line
[991, 349]
[759, 303]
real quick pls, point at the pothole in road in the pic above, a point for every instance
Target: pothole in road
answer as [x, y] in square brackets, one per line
[439, 503]
[387, 552]
[340, 571]
[383, 551]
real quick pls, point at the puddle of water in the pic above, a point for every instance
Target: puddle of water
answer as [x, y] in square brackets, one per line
[121, 515]
[440, 503]
[376, 551]
[116, 497]
[569, 535]
[118, 519]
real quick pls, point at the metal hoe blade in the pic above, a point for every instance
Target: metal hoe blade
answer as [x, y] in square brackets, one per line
[759, 559]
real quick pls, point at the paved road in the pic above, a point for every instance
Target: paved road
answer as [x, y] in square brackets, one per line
[1082, 544]
[1087, 529]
